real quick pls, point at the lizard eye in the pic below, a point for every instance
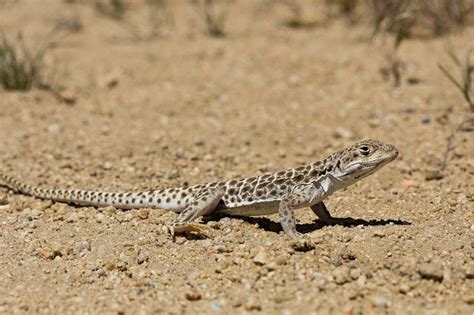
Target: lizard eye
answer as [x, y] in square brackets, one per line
[364, 150]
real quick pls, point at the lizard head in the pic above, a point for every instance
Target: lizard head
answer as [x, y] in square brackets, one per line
[362, 159]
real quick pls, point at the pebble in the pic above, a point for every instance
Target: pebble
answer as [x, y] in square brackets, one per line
[341, 275]
[99, 217]
[192, 295]
[3, 200]
[282, 259]
[261, 258]
[72, 217]
[425, 119]
[110, 79]
[143, 214]
[48, 253]
[84, 246]
[225, 220]
[302, 245]
[379, 234]
[252, 304]
[404, 288]
[355, 273]
[142, 258]
[215, 305]
[469, 299]
[199, 142]
[53, 128]
[431, 271]
[342, 133]
[221, 248]
[469, 273]
[433, 175]
[380, 301]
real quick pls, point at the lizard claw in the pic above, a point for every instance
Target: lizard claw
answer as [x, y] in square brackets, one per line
[175, 229]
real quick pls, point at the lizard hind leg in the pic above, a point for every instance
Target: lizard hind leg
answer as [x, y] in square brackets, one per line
[202, 204]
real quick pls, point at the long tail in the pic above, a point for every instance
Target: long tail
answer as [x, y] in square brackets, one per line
[124, 200]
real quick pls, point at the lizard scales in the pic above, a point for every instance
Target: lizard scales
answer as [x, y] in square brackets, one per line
[280, 192]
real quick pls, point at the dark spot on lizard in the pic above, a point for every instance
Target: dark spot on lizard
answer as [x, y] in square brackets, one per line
[298, 178]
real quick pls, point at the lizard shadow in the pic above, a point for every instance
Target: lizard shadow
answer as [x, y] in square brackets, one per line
[272, 226]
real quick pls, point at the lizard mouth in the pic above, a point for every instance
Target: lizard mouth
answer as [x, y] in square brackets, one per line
[369, 167]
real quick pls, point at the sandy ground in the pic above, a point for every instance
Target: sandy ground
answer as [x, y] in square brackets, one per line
[185, 108]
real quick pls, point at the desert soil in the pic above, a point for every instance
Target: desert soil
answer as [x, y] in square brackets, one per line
[185, 108]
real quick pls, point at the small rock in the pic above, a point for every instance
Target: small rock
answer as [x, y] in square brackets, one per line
[3, 200]
[342, 133]
[72, 217]
[469, 299]
[192, 295]
[48, 253]
[69, 97]
[355, 273]
[142, 258]
[379, 234]
[341, 275]
[216, 305]
[84, 246]
[425, 119]
[272, 266]
[110, 80]
[380, 301]
[282, 259]
[469, 272]
[99, 217]
[225, 220]
[433, 175]
[143, 214]
[302, 245]
[404, 288]
[107, 165]
[261, 258]
[462, 199]
[431, 271]
[221, 248]
[252, 304]
[413, 80]
[199, 142]
[53, 128]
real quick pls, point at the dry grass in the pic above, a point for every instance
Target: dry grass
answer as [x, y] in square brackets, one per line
[23, 68]
[464, 85]
[114, 9]
[20, 68]
[420, 18]
[214, 15]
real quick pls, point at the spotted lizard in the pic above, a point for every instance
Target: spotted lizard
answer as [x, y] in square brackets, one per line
[281, 192]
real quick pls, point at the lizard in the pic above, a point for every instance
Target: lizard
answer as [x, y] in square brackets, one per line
[281, 192]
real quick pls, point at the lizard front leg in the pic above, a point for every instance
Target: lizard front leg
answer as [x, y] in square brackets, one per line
[303, 195]
[202, 204]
